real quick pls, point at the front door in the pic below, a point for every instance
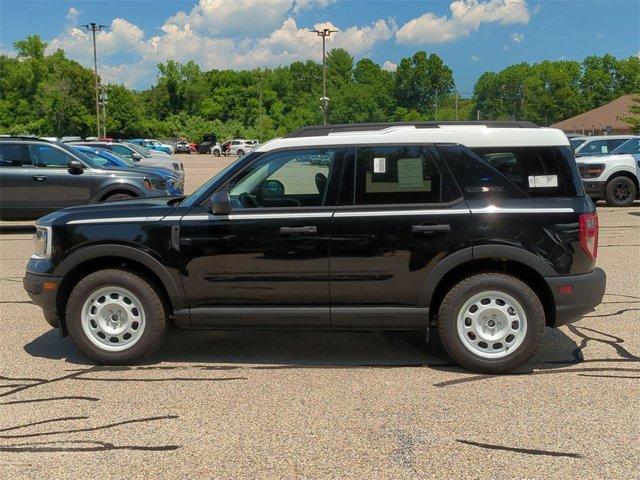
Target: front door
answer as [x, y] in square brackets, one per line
[401, 216]
[267, 263]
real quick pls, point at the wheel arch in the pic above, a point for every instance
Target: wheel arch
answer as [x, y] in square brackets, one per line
[488, 258]
[98, 257]
[115, 189]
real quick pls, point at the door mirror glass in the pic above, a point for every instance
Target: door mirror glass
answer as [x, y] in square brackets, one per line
[75, 166]
[220, 203]
[136, 157]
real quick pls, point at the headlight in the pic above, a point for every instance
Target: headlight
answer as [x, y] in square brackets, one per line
[590, 171]
[42, 242]
[154, 184]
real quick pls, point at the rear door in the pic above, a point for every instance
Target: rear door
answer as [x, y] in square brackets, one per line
[400, 214]
[16, 186]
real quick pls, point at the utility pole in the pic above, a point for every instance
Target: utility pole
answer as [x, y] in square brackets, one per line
[324, 101]
[436, 106]
[456, 105]
[94, 27]
[260, 107]
[103, 102]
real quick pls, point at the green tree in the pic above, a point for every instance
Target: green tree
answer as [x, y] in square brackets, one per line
[339, 67]
[30, 47]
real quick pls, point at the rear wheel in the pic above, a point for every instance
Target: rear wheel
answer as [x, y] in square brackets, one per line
[115, 317]
[491, 323]
[240, 153]
[620, 192]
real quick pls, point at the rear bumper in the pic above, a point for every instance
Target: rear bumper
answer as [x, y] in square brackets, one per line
[586, 293]
[594, 189]
[43, 290]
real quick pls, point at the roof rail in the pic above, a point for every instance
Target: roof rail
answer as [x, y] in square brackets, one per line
[324, 130]
[22, 137]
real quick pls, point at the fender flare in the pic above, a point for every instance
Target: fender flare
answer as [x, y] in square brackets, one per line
[114, 250]
[469, 254]
[118, 188]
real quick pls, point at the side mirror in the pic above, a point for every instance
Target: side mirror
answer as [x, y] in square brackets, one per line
[75, 167]
[136, 157]
[220, 203]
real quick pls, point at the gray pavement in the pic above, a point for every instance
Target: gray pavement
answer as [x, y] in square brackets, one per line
[324, 405]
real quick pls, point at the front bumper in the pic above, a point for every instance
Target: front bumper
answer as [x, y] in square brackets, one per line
[43, 290]
[594, 189]
[586, 294]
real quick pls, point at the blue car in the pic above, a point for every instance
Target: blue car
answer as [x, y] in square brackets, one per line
[151, 144]
[107, 159]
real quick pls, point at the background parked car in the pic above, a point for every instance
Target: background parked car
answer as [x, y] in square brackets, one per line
[39, 177]
[208, 140]
[152, 144]
[106, 159]
[139, 154]
[234, 147]
[597, 144]
[182, 146]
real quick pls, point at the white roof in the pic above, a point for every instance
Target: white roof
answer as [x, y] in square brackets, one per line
[468, 135]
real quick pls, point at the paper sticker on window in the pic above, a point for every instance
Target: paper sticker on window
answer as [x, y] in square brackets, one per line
[379, 165]
[410, 174]
[604, 149]
[543, 181]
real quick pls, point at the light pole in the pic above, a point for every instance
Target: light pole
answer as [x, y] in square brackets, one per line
[94, 27]
[324, 101]
[103, 102]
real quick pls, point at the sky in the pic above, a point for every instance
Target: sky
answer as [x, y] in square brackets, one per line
[472, 36]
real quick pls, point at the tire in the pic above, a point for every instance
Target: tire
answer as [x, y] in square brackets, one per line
[118, 196]
[240, 153]
[491, 324]
[216, 153]
[136, 295]
[620, 192]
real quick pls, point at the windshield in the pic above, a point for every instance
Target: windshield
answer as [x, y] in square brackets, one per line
[576, 142]
[191, 200]
[141, 150]
[631, 146]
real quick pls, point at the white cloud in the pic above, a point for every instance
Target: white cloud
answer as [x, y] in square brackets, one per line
[475, 58]
[505, 47]
[73, 14]
[390, 66]
[466, 17]
[517, 37]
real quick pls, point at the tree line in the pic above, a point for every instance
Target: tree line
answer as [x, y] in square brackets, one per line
[51, 95]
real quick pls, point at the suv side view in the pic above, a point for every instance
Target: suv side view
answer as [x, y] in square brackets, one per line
[38, 177]
[481, 232]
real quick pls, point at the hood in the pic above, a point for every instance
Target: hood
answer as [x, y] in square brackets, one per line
[141, 209]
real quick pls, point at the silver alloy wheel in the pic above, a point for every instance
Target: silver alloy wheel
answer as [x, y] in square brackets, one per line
[492, 324]
[113, 318]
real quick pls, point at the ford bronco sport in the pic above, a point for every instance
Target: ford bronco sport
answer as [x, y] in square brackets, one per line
[481, 232]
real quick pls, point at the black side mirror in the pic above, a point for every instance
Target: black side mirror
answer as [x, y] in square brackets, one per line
[136, 157]
[75, 167]
[220, 203]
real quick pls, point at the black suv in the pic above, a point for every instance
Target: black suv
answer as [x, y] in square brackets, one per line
[480, 231]
[38, 177]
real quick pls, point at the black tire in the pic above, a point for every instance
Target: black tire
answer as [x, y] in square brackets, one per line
[620, 192]
[216, 153]
[240, 153]
[153, 309]
[119, 196]
[463, 291]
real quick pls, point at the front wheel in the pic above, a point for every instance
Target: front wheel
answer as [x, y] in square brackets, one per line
[115, 317]
[240, 153]
[216, 153]
[620, 192]
[491, 323]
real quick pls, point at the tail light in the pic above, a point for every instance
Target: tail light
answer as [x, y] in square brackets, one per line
[589, 234]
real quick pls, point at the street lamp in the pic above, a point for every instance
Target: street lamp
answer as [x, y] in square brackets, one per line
[324, 101]
[94, 27]
[103, 101]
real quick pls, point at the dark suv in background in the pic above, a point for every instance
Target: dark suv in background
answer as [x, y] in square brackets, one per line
[38, 177]
[481, 232]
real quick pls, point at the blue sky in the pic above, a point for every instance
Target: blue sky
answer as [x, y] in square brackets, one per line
[472, 36]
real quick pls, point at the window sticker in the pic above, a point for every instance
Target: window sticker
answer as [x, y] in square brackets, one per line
[543, 181]
[410, 173]
[604, 149]
[379, 165]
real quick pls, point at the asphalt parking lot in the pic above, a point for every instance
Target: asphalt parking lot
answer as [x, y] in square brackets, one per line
[324, 405]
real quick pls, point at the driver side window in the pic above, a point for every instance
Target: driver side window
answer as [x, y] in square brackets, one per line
[284, 179]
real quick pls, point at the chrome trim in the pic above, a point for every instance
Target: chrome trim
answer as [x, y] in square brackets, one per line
[252, 216]
[114, 220]
[48, 247]
[397, 213]
[493, 209]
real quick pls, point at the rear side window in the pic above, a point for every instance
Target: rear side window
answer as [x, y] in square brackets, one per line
[394, 175]
[538, 171]
[14, 155]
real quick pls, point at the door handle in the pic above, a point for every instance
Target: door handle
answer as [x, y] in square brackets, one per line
[39, 178]
[431, 229]
[305, 229]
